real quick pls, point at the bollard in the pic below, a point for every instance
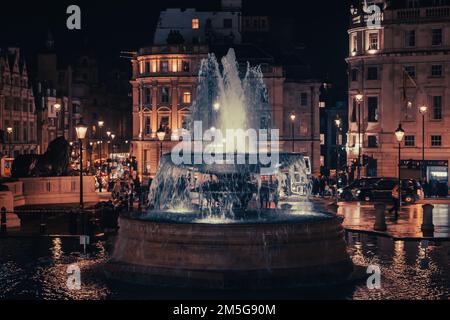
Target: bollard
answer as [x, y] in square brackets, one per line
[380, 217]
[333, 207]
[3, 220]
[427, 223]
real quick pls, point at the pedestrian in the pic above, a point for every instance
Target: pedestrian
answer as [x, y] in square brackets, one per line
[395, 201]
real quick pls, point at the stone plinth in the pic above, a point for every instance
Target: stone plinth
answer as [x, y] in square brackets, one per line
[52, 190]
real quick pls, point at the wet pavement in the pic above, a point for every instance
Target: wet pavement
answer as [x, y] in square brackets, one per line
[361, 217]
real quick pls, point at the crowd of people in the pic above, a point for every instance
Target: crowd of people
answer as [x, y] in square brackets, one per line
[121, 179]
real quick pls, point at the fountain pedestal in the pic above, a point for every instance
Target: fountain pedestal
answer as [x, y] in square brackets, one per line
[227, 256]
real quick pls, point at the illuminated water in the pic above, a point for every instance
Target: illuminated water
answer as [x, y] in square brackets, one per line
[32, 268]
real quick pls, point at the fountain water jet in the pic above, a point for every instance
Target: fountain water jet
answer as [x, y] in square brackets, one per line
[223, 224]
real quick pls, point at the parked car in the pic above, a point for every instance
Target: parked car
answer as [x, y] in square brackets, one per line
[412, 190]
[348, 193]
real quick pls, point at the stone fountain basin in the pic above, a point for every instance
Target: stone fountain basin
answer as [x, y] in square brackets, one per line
[310, 251]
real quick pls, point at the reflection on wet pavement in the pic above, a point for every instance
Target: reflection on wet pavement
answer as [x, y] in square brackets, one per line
[37, 269]
[362, 217]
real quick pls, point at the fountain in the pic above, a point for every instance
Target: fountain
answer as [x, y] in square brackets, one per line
[225, 211]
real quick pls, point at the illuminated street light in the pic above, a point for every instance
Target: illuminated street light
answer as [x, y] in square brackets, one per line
[81, 130]
[9, 130]
[423, 110]
[216, 106]
[399, 135]
[359, 98]
[292, 116]
[161, 134]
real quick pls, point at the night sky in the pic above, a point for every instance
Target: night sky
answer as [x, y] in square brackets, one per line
[109, 27]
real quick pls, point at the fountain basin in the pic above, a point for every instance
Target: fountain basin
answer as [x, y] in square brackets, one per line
[310, 251]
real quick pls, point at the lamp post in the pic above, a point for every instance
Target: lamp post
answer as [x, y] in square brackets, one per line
[423, 110]
[338, 123]
[113, 145]
[399, 134]
[91, 144]
[101, 123]
[359, 98]
[108, 134]
[81, 130]
[161, 134]
[57, 108]
[9, 130]
[292, 117]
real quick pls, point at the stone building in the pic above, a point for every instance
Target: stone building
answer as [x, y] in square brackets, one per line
[399, 61]
[17, 107]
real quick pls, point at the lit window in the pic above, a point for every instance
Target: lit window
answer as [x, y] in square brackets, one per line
[373, 41]
[175, 66]
[186, 97]
[195, 23]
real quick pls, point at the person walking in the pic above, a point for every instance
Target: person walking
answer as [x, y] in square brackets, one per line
[395, 201]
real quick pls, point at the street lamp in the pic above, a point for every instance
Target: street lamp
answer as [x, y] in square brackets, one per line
[338, 123]
[108, 134]
[216, 106]
[101, 123]
[359, 98]
[81, 130]
[161, 134]
[399, 134]
[9, 130]
[112, 141]
[423, 110]
[292, 117]
[91, 144]
[57, 108]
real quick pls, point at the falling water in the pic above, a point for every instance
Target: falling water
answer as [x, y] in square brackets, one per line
[226, 100]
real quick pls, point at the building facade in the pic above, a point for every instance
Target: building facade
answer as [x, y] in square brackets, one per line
[17, 108]
[399, 61]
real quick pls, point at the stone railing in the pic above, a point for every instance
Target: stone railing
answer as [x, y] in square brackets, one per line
[51, 190]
